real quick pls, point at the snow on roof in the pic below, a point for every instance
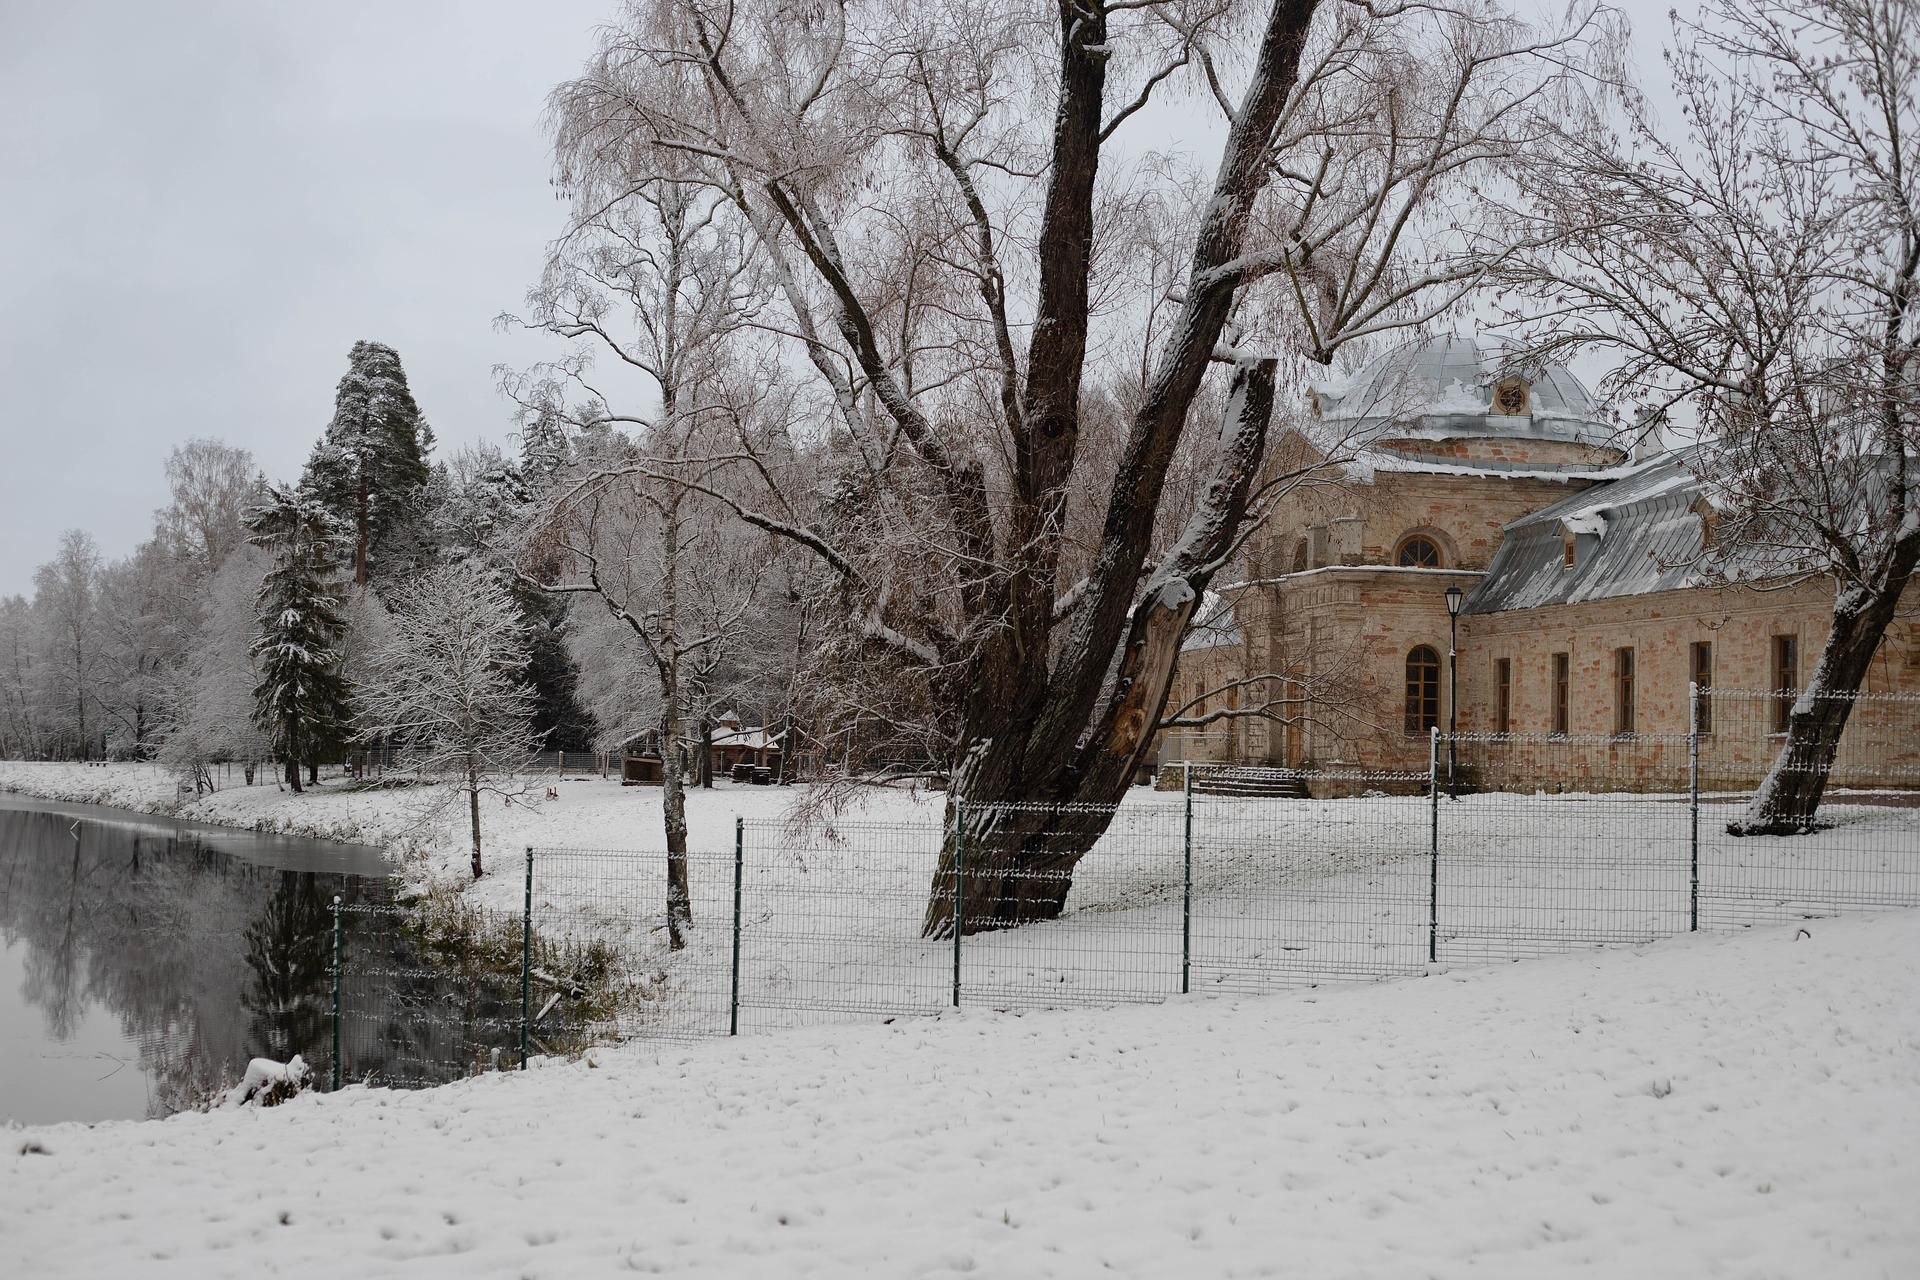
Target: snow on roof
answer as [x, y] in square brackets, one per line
[1442, 388]
[1214, 623]
[1647, 537]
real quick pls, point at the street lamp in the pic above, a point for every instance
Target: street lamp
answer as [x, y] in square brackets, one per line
[1455, 598]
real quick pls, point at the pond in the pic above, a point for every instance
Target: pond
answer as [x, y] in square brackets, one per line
[143, 961]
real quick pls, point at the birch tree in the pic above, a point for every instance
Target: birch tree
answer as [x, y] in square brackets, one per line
[934, 190]
[448, 682]
[1759, 260]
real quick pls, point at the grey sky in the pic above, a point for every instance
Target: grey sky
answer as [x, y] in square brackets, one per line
[207, 203]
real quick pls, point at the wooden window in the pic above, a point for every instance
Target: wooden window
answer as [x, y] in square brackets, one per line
[1567, 553]
[1786, 679]
[1510, 396]
[1423, 688]
[1702, 668]
[1503, 695]
[1562, 692]
[1623, 709]
[1418, 552]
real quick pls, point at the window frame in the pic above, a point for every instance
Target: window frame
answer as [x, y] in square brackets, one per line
[1625, 699]
[1783, 653]
[1700, 675]
[1503, 695]
[1561, 665]
[1422, 707]
[1410, 540]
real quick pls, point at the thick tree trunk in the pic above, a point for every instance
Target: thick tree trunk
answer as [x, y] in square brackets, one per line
[1017, 827]
[1789, 796]
[293, 774]
[674, 811]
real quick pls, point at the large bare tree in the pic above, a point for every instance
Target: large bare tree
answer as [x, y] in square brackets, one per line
[942, 195]
[1758, 257]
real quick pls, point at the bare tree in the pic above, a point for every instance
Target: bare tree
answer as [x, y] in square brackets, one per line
[658, 279]
[448, 681]
[66, 600]
[932, 190]
[212, 484]
[1761, 262]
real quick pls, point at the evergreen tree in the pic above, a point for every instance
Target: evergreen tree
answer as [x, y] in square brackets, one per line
[302, 698]
[368, 467]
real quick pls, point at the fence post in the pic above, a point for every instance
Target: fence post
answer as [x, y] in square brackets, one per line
[526, 961]
[1186, 885]
[1433, 846]
[336, 994]
[1693, 806]
[959, 898]
[739, 862]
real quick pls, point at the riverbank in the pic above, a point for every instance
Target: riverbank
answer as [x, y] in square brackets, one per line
[424, 835]
[1740, 1104]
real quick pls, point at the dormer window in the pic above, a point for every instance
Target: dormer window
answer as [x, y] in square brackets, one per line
[1512, 396]
[1569, 555]
[1709, 522]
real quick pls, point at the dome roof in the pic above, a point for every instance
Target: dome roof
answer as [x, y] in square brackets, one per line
[1443, 388]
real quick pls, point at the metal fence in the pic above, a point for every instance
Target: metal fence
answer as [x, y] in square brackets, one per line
[1247, 879]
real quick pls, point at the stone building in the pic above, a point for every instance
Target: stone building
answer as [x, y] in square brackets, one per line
[1584, 606]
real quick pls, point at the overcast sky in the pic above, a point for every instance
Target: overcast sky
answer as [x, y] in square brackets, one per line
[206, 203]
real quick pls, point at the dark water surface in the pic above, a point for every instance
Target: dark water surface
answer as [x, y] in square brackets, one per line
[143, 960]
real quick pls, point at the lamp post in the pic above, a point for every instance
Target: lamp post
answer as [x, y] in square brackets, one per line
[1455, 598]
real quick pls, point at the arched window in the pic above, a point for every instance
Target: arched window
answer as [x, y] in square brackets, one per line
[1418, 551]
[1423, 688]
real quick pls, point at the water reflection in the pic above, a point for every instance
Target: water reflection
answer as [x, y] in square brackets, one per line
[169, 947]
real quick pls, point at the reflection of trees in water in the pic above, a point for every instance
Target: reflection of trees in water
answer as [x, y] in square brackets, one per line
[208, 960]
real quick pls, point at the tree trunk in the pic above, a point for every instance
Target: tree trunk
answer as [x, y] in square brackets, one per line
[293, 774]
[1789, 796]
[674, 811]
[473, 811]
[313, 773]
[1017, 824]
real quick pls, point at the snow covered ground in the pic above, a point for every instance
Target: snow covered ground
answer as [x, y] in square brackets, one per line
[1741, 1104]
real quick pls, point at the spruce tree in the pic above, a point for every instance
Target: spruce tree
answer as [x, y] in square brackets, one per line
[373, 458]
[302, 699]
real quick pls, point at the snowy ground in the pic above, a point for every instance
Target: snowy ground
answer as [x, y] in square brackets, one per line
[1284, 892]
[1744, 1105]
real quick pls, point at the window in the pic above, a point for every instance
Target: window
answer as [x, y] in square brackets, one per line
[1423, 689]
[1562, 680]
[1503, 695]
[1510, 396]
[1623, 691]
[1786, 679]
[1567, 554]
[1418, 552]
[1300, 556]
[1702, 667]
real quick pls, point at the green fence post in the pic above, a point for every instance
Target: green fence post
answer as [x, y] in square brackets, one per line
[526, 962]
[336, 994]
[739, 862]
[1693, 806]
[1433, 847]
[959, 898]
[1186, 885]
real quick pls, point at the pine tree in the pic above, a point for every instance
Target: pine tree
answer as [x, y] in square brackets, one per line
[302, 699]
[367, 468]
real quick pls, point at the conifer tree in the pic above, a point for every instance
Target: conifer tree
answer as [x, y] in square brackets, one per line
[301, 702]
[367, 468]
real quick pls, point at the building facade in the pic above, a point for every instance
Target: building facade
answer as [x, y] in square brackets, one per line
[1585, 608]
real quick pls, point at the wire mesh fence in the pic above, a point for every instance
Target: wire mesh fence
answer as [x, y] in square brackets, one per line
[1246, 879]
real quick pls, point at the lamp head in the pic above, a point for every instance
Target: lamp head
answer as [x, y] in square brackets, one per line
[1455, 597]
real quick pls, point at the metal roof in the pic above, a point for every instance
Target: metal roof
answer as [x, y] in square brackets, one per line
[1632, 535]
[1442, 388]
